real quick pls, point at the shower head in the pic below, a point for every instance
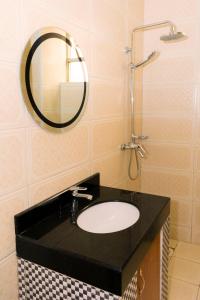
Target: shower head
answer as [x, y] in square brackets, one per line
[149, 59]
[173, 36]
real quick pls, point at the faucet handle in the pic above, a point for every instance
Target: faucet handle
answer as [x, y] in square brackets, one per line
[142, 155]
[141, 151]
[140, 137]
[77, 188]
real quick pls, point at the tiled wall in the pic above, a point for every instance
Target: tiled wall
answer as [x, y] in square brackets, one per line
[34, 163]
[171, 115]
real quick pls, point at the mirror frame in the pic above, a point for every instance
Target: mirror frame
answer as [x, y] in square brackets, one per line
[31, 47]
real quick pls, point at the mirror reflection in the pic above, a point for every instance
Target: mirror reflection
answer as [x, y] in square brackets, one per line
[56, 78]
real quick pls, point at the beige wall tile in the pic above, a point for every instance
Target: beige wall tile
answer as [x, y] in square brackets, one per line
[166, 183]
[198, 100]
[181, 212]
[12, 160]
[35, 16]
[112, 66]
[53, 153]
[10, 206]
[107, 97]
[68, 9]
[197, 132]
[119, 5]
[133, 185]
[122, 184]
[62, 11]
[180, 233]
[161, 71]
[10, 30]
[197, 186]
[104, 65]
[47, 188]
[182, 9]
[111, 168]
[196, 235]
[8, 278]
[135, 13]
[12, 114]
[168, 128]
[197, 158]
[196, 214]
[178, 99]
[107, 137]
[108, 22]
[168, 156]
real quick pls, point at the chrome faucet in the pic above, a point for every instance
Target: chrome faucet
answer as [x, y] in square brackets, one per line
[76, 194]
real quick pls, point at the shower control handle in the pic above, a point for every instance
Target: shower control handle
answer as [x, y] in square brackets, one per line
[140, 137]
[141, 154]
[141, 151]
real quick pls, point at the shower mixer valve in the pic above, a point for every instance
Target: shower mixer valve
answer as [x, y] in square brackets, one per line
[136, 146]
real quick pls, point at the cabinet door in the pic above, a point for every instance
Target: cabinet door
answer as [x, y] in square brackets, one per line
[149, 273]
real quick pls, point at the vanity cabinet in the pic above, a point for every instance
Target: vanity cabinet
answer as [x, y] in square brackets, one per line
[148, 278]
[59, 260]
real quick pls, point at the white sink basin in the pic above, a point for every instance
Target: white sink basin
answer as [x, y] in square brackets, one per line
[108, 217]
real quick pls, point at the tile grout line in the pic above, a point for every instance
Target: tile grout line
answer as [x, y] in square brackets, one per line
[187, 259]
[188, 282]
[5, 258]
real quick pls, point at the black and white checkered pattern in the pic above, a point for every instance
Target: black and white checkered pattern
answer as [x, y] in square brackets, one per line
[164, 260]
[21, 279]
[39, 283]
[131, 290]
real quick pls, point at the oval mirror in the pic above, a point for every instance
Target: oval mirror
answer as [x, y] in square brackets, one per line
[54, 78]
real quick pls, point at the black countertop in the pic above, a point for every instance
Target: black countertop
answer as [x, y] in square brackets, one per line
[46, 235]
